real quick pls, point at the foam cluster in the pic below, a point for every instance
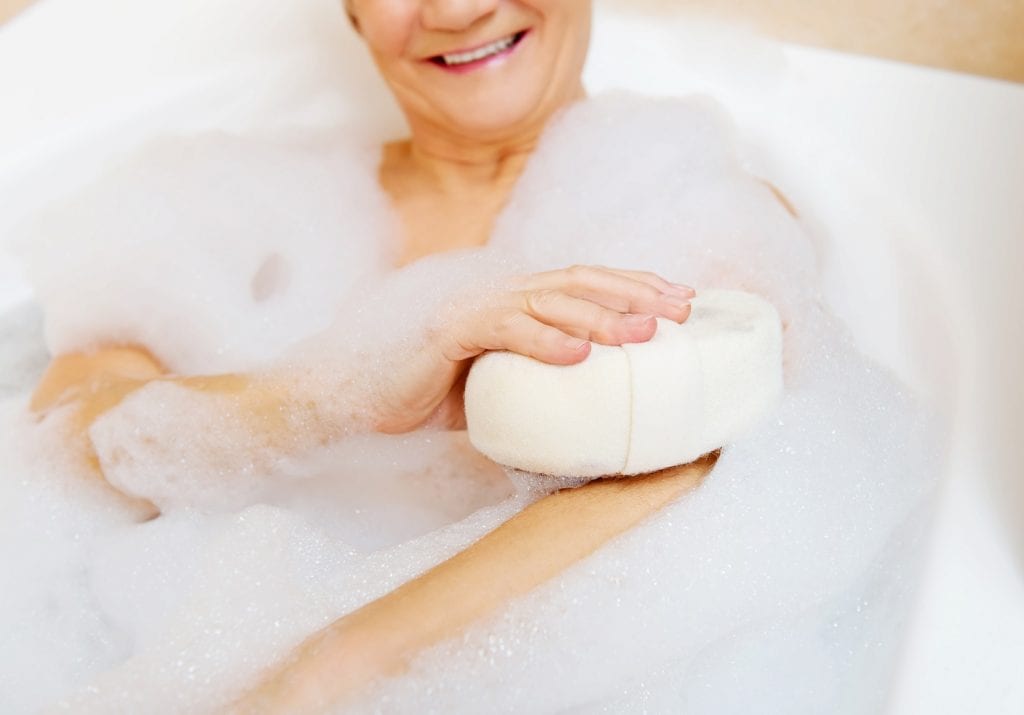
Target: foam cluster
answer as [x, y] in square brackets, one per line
[778, 585]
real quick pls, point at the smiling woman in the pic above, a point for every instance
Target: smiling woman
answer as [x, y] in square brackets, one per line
[477, 82]
[241, 326]
[471, 134]
[424, 52]
[479, 56]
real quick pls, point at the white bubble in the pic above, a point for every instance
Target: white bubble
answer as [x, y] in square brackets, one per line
[778, 585]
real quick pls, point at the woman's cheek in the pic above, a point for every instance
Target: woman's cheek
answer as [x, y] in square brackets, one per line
[381, 43]
[386, 27]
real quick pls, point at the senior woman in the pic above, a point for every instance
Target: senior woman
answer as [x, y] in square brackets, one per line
[478, 81]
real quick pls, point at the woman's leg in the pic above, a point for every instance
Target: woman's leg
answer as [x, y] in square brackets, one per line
[541, 541]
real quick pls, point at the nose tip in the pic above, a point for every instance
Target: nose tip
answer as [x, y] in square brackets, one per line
[454, 15]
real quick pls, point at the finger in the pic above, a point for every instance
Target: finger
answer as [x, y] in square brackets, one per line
[613, 290]
[586, 319]
[518, 332]
[657, 281]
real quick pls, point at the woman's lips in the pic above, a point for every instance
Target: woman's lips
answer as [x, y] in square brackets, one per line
[469, 60]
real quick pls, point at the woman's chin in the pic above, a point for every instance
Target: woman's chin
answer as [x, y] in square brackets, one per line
[499, 120]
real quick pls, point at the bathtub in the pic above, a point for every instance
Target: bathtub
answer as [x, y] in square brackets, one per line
[929, 168]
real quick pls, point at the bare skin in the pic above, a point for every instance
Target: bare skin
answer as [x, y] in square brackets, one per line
[443, 211]
[448, 194]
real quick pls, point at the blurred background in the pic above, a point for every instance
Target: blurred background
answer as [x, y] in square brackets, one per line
[984, 37]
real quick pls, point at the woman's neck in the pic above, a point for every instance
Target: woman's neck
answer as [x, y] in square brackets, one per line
[446, 201]
[458, 167]
[449, 188]
[449, 193]
[455, 163]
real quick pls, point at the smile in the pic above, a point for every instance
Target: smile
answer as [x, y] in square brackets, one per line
[479, 55]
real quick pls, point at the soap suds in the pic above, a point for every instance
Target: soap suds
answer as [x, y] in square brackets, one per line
[778, 585]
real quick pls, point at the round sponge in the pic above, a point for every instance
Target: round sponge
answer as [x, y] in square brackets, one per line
[634, 408]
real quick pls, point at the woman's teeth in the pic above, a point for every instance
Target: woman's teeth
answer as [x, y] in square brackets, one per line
[462, 58]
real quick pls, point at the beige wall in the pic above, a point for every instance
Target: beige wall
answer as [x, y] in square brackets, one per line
[10, 8]
[978, 36]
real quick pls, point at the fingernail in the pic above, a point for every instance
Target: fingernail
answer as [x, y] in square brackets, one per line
[576, 344]
[682, 290]
[675, 301]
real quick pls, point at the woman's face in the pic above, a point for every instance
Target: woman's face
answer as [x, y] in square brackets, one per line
[480, 68]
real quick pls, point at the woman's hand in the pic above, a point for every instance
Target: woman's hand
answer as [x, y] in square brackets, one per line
[551, 316]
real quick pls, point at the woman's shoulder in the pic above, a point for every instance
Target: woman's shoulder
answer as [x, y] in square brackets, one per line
[604, 154]
[653, 183]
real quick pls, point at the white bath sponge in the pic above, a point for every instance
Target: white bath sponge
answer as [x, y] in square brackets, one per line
[635, 408]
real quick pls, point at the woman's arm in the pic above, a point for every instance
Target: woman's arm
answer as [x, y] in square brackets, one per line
[94, 382]
[84, 375]
[540, 542]
[304, 402]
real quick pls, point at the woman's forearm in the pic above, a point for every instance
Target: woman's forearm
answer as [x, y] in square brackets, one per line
[256, 418]
[540, 542]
